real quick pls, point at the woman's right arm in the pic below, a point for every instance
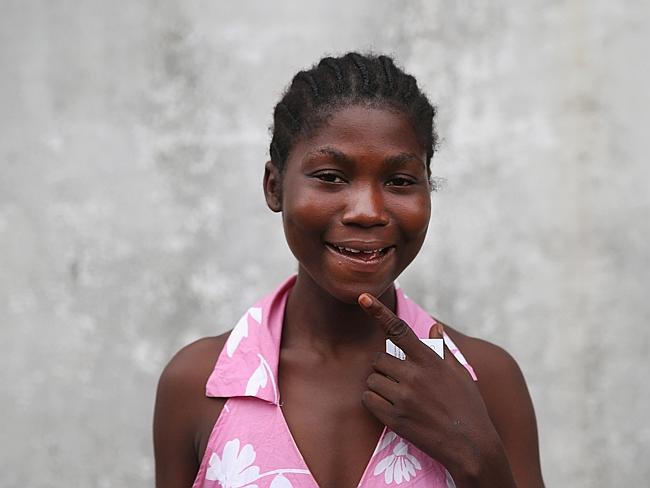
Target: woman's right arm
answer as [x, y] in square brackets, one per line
[183, 415]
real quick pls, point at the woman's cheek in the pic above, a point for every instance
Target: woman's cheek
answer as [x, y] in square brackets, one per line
[415, 216]
[314, 210]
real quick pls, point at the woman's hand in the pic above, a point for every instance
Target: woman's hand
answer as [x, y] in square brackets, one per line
[434, 404]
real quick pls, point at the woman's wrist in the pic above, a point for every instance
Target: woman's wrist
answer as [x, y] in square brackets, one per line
[485, 464]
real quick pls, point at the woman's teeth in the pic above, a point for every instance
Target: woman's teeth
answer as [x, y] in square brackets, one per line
[368, 256]
[356, 251]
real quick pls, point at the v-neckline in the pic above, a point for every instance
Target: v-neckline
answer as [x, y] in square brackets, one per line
[302, 458]
[288, 432]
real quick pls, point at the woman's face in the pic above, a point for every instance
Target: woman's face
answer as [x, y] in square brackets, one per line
[355, 201]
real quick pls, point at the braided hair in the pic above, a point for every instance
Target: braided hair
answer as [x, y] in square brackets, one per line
[352, 79]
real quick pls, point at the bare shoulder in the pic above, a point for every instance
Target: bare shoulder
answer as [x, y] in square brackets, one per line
[505, 393]
[193, 363]
[181, 388]
[500, 379]
[184, 416]
[488, 360]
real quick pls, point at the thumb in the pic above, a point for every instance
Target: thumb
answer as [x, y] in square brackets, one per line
[436, 331]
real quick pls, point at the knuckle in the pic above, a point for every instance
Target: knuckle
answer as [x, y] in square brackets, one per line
[377, 360]
[396, 328]
[398, 419]
[366, 398]
[410, 376]
[407, 398]
[401, 398]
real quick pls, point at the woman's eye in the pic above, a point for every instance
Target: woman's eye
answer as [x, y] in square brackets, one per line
[400, 181]
[329, 178]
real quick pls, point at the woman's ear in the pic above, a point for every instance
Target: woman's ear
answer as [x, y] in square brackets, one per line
[273, 186]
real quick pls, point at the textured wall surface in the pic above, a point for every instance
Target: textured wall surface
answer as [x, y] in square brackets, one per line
[132, 141]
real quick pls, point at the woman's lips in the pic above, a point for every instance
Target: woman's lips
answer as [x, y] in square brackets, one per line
[366, 255]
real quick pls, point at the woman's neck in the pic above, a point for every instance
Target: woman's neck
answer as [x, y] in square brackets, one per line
[316, 320]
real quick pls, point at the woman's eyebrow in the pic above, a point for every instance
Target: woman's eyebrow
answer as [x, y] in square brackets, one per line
[395, 160]
[330, 152]
[400, 159]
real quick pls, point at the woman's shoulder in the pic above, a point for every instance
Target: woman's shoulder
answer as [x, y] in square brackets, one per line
[181, 387]
[505, 394]
[184, 416]
[195, 361]
[507, 399]
[487, 359]
[500, 379]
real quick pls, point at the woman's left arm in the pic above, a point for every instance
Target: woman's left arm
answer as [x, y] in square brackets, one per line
[509, 406]
[485, 435]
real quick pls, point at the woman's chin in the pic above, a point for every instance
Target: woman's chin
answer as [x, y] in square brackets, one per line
[349, 292]
[346, 287]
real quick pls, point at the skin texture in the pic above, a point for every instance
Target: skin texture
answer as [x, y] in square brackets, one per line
[360, 180]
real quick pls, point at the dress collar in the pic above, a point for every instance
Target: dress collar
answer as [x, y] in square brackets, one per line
[248, 363]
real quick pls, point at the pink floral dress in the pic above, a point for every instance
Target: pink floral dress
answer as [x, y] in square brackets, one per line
[251, 446]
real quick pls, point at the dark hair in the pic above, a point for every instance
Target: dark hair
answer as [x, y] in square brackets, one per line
[352, 79]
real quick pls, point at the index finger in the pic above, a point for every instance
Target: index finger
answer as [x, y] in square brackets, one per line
[395, 328]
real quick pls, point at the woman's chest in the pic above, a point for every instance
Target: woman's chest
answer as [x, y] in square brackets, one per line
[252, 446]
[334, 433]
[320, 435]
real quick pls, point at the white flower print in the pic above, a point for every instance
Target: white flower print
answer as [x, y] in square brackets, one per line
[238, 333]
[233, 469]
[398, 466]
[256, 314]
[257, 380]
[280, 481]
[241, 329]
[387, 439]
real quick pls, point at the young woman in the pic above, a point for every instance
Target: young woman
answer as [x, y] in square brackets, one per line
[301, 393]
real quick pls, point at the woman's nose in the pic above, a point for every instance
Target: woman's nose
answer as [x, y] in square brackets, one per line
[365, 207]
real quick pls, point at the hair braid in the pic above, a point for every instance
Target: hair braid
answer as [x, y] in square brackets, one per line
[352, 79]
[283, 110]
[309, 79]
[333, 64]
[387, 65]
[358, 61]
[408, 86]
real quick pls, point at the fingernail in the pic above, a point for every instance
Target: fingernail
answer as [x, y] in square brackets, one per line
[365, 300]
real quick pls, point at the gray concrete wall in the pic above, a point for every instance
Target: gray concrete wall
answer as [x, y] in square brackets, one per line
[132, 141]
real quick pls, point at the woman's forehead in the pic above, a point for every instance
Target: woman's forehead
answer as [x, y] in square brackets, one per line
[357, 128]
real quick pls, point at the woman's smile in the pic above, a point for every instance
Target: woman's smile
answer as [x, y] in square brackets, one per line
[368, 255]
[356, 201]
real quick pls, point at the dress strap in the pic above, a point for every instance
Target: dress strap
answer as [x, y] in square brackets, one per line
[451, 345]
